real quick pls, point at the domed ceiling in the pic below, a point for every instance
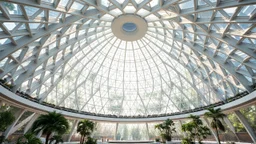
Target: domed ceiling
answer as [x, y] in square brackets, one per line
[129, 57]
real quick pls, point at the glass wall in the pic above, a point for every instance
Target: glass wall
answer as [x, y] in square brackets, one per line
[250, 114]
[153, 133]
[105, 131]
[235, 130]
[132, 132]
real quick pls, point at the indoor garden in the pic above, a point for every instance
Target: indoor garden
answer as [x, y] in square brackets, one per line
[137, 71]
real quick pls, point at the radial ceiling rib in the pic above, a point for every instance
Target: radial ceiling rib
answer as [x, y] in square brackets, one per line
[77, 62]
[195, 52]
[242, 80]
[51, 53]
[221, 62]
[9, 48]
[205, 100]
[179, 88]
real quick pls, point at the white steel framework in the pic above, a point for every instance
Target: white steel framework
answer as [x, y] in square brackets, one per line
[194, 53]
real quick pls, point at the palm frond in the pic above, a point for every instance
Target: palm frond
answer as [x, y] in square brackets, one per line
[51, 122]
[85, 127]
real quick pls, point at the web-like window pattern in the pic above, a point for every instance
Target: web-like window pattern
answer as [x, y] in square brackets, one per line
[195, 52]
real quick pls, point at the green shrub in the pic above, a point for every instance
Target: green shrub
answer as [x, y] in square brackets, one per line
[186, 141]
[6, 119]
[91, 140]
[29, 138]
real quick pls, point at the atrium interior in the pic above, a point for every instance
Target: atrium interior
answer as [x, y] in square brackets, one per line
[129, 65]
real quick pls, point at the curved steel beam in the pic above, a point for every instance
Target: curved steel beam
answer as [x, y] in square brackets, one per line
[8, 49]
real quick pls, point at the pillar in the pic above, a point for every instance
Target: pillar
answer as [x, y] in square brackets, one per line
[246, 124]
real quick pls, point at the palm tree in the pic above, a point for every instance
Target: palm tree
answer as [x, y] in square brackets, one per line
[6, 117]
[216, 124]
[49, 123]
[57, 139]
[166, 128]
[29, 138]
[85, 128]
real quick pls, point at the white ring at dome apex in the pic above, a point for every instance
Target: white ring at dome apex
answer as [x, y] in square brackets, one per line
[129, 27]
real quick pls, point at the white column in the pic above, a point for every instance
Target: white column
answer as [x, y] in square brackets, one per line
[1, 103]
[21, 124]
[28, 126]
[182, 133]
[39, 134]
[227, 121]
[72, 130]
[116, 130]
[147, 130]
[17, 116]
[246, 124]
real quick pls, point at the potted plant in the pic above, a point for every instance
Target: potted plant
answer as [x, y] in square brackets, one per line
[166, 129]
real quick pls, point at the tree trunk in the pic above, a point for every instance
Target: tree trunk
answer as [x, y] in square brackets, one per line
[84, 139]
[2, 138]
[217, 133]
[81, 139]
[47, 138]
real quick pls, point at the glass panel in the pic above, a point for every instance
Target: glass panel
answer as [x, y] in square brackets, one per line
[250, 114]
[239, 128]
[105, 131]
[132, 131]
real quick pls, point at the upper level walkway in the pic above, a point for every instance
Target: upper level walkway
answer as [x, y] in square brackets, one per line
[33, 106]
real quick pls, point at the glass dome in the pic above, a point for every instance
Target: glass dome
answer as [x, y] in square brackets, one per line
[194, 53]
